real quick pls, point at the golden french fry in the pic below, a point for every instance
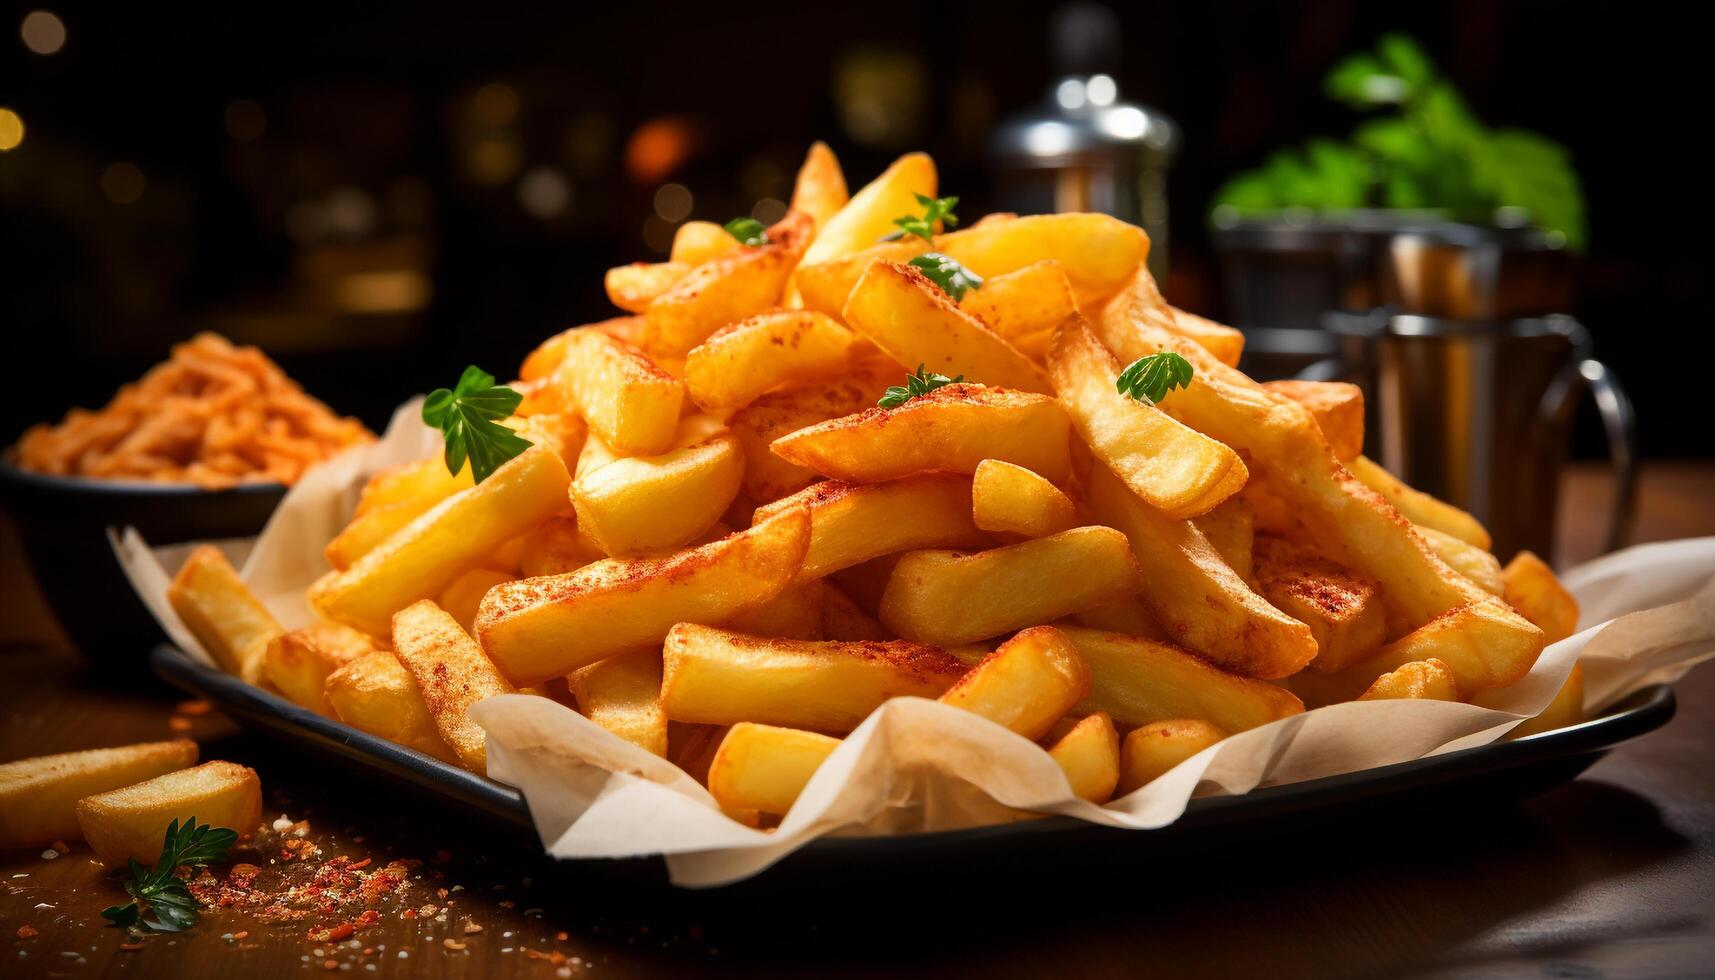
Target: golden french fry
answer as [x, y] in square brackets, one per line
[449, 539]
[1026, 684]
[761, 767]
[843, 619]
[912, 321]
[128, 824]
[949, 430]
[1090, 756]
[221, 612]
[719, 677]
[1423, 680]
[1169, 466]
[1023, 303]
[370, 528]
[556, 547]
[852, 523]
[1338, 408]
[1148, 753]
[539, 628]
[629, 402]
[1532, 589]
[1466, 640]
[820, 190]
[1231, 528]
[697, 242]
[949, 598]
[453, 674]
[741, 362]
[38, 797]
[425, 479]
[375, 694]
[1138, 681]
[794, 614]
[633, 287]
[462, 598]
[1096, 252]
[1127, 614]
[1419, 507]
[1468, 560]
[1201, 602]
[1011, 498]
[726, 289]
[623, 695]
[1567, 708]
[653, 503]
[1225, 343]
[824, 286]
[299, 662]
[1343, 609]
[757, 425]
[869, 214]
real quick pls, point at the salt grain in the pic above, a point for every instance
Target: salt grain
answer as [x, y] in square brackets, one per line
[50, 854]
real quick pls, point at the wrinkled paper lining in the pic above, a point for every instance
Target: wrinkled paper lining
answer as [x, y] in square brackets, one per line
[916, 765]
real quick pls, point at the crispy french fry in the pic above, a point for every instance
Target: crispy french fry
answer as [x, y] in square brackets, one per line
[1465, 639]
[726, 289]
[843, 619]
[542, 362]
[794, 614]
[127, 824]
[1218, 339]
[719, 677]
[852, 523]
[623, 695]
[741, 362]
[1566, 709]
[1343, 609]
[949, 598]
[425, 479]
[1423, 680]
[1201, 602]
[629, 402]
[557, 547]
[1338, 408]
[949, 430]
[1468, 560]
[1231, 528]
[1127, 614]
[464, 595]
[1169, 466]
[633, 287]
[1090, 755]
[222, 613]
[1096, 252]
[370, 528]
[298, 662]
[1532, 589]
[869, 213]
[1148, 753]
[820, 190]
[757, 425]
[653, 503]
[452, 672]
[824, 286]
[375, 694]
[538, 628]
[1027, 684]
[1023, 303]
[38, 797]
[449, 539]
[1011, 498]
[912, 321]
[1419, 507]
[697, 242]
[1138, 681]
[762, 767]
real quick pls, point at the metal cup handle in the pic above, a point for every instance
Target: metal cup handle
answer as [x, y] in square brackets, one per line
[1620, 424]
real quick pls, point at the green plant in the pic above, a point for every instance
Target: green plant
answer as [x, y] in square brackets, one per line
[1429, 152]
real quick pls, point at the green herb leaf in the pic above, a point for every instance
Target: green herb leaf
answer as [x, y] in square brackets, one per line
[917, 384]
[467, 416]
[946, 272]
[162, 891]
[935, 210]
[748, 231]
[1149, 379]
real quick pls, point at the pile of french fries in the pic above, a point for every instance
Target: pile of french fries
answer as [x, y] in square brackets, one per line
[719, 549]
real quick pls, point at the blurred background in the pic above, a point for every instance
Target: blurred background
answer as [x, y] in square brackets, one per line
[378, 197]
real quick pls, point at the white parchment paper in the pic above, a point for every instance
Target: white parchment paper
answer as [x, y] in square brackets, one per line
[916, 765]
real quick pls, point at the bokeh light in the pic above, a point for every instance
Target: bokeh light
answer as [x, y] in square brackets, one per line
[123, 183]
[769, 210]
[245, 120]
[11, 130]
[495, 104]
[657, 149]
[43, 32]
[673, 202]
[543, 192]
[658, 234]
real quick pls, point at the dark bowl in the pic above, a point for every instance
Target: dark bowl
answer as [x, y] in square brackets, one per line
[63, 522]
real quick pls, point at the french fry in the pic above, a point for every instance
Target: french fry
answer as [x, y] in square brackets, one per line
[726, 289]
[869, 214]
[1138, 681]
[464, 595]
[852, 523]
[1023, 303]
[1090, 756]
[127, 824]
[1010, 498]
[820, 190]
[1148, 753]
[653, 503]
[425, 479]
[1338, 408]
[1097, 253]
[453, 674]
[757, 425]
[1468, 560]
[762, 767]
[912, 321]
[222, 613]
[557, 547]
[623, 695]
[539, 628]
[1532, 589]
[741, 362]
[1195, 596]
[948, 598]
[1027, 684]
[866, 582]
[719, 677]
[824, 286]
[375, 694]
[370, 528]
[449, 539]
[1566, 709]
[1170, 467]
[298, 662]
[1231, 529]
[634, 287]
[1343, 609]
[1465, 639]
[951, 430]
[1423, 680]
[1225, 343]
[697, 242]
[1127, 614]
[540, 365]
[1419, 507]
[843, 619]
[38, 797]
[794, 614]
[629, 402]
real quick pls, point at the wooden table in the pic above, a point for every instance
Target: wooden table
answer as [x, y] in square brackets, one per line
[1611, 875]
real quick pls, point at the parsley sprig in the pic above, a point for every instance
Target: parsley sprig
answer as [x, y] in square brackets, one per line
[917, 384]
[1149, 379]
[946, 272]
[935, 209]
[748, 231]
[467, 416]
[163, 892]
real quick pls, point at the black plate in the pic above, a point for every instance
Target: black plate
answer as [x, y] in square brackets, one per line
[1498, 772]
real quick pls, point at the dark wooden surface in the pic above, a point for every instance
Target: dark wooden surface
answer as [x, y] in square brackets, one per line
[1610, 875]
